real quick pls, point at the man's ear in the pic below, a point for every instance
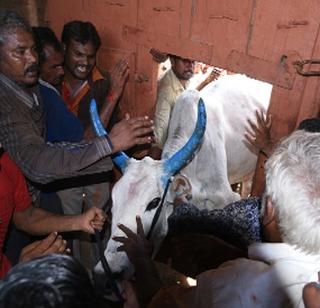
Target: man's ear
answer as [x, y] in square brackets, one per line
[64, 47]
[269, 214]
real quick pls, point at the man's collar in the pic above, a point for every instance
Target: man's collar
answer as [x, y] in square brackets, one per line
[13, 86]
[177, 85]
[48, 85]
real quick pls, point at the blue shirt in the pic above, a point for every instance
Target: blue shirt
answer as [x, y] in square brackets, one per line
[61, 124]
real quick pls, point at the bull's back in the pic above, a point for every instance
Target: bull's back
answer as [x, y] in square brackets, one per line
[234, 99]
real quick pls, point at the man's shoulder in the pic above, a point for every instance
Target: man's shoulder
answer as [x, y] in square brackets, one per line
[166, 77]
[100, 81]
[5, 102]
[168, 81]
[46, 88]
[102, 72]
[99, 73]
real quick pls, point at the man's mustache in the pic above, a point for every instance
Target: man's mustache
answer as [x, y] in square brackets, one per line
[31, 69]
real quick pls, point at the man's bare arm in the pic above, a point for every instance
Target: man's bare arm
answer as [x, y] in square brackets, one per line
[38, 221]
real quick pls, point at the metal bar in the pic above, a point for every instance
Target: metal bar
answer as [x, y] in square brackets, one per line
[299, 65]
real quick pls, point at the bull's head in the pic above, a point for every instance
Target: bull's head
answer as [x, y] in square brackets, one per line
[140, 189]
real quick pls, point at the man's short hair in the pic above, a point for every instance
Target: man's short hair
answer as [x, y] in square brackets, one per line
[9, 22]
[292, 183]
[82, 32]
[50, 281]
[44, 36]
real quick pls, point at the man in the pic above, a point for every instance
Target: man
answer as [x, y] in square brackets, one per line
[62, 125]
[15, 203]
[50, 58]
[275, 273]
[83, 80]
[50, 281]
[170, 86]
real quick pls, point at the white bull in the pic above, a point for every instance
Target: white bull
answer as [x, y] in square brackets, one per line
[230, 102]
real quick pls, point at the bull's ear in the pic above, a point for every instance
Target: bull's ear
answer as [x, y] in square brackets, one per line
[153, 204]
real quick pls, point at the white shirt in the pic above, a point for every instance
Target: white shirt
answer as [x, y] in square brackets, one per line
[169, 89]
[274, 276]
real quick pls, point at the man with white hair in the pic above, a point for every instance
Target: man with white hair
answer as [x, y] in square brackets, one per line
[275, 273]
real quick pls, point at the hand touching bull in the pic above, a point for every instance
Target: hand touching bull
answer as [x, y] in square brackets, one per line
[130, 132]
[258, 135]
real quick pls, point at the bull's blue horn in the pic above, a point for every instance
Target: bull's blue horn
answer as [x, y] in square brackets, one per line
[120, 159]
[178, 160]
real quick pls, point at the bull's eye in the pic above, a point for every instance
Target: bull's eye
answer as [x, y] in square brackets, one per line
[153, 204]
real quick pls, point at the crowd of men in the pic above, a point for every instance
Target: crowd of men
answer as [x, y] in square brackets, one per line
[55, 175]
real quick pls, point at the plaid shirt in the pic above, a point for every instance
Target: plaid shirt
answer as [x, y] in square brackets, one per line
[22, 131]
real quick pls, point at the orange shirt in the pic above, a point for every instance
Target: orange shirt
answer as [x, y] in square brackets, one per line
[72, 101]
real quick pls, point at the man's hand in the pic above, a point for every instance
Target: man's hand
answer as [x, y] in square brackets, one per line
[311, 294]
[135, 245]
[258, 136]
[138, 250]
[130, 132]
[214, 75]
[92, 219]
[53, 243]
[119, 77]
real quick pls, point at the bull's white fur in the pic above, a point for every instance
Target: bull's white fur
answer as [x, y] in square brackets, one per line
[224, 158]
[229, 103]
[292, 182]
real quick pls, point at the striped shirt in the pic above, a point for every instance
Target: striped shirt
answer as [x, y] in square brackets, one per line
[22, 131]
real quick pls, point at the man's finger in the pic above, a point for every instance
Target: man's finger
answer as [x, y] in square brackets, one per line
[30, 247]
[46, 242]
[140, 121]
[58, 245]
[127, 231]
[144, 140]
[99, 214]
[260, 116]
[250, 139]
[96, 225]
[62, 248]
[140, 229]
[269, 121]
[142, 131]
[253, 125]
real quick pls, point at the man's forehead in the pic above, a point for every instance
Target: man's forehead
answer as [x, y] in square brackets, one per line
[17, 37]
[52, 54]
[85, 48]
